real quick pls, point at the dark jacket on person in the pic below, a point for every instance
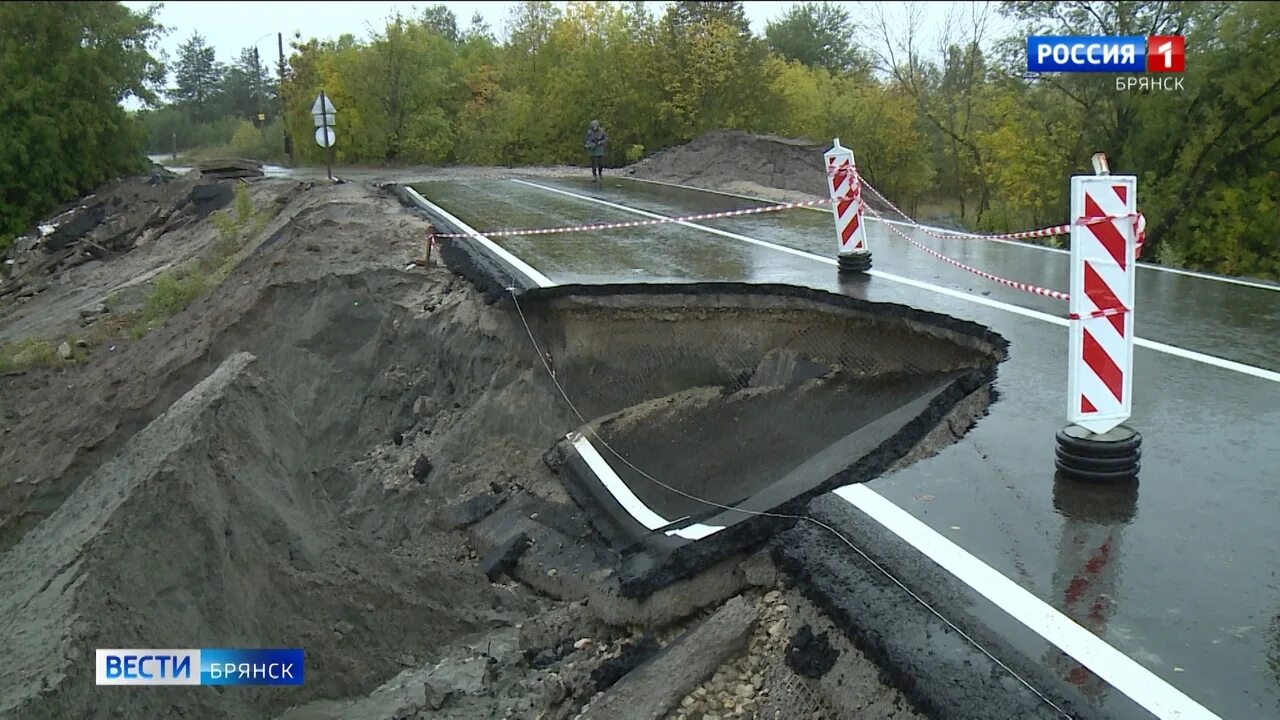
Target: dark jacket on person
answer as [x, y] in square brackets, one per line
[594, 141]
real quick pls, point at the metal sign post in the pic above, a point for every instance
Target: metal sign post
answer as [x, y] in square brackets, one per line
[324, 114]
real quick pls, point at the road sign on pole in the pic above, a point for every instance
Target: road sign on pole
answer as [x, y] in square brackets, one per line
[324, 114]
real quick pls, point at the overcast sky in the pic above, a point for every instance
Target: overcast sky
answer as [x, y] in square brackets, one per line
[230, 26]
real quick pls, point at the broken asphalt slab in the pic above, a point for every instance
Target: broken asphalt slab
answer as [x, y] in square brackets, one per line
[649, 691]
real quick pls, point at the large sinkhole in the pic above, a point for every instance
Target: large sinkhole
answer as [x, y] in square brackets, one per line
[699, 408]
[280, 487]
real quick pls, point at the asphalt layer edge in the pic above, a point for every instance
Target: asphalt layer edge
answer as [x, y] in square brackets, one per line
[942, 673]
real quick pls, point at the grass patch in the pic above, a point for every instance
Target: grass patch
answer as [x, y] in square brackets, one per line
[31, 353]
[171, 293]
[26, 353]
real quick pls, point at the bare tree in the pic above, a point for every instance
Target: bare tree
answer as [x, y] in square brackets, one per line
[946, 96]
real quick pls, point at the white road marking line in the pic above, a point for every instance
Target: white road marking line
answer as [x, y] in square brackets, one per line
[538, 278]
[615, 485]
[1122, 672]
[634, 506]
[1144, 265]
[604, 473]
[1174, 350]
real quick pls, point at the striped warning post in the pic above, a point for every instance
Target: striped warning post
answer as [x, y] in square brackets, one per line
[846, 207]
[1100, 375]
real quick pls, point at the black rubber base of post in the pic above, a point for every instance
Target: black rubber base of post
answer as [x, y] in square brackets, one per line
[854, 262]
[1108, 457]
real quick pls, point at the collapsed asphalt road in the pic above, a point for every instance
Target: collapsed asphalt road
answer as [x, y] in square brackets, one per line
[994, 490]
[338, 450]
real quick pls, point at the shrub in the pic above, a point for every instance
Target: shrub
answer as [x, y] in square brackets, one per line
[172, 295]
[26, 353]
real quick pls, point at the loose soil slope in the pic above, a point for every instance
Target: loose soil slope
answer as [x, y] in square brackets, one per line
[764, 166]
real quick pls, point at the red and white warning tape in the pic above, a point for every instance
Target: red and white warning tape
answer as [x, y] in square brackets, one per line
[1139, 226]
[641, 223]
[1025, 287]
[1023, 235]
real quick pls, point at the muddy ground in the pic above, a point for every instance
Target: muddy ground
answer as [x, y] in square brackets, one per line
[297, 458]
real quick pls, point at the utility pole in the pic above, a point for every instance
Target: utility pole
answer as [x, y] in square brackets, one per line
[288, 146]
[257, 90]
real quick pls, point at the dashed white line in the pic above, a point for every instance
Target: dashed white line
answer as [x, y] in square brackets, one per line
[1223, 363]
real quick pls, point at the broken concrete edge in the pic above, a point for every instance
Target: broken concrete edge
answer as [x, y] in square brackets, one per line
[942, 674]
[659, 560]
[561, 563]
[657, 685]
[963, 332]
[492, 276]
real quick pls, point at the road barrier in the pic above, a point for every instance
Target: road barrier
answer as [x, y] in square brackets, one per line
[1107, 233]
[853, 254]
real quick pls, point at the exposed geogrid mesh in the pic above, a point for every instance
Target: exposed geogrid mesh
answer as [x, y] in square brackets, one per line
[724, 394]
[790, 697]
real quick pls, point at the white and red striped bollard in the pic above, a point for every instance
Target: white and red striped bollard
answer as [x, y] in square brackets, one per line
[853, 254]
[1097, 446]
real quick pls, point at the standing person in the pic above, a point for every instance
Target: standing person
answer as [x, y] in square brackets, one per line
[594, 143]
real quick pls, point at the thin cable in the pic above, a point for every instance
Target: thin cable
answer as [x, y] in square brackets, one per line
[785, 516]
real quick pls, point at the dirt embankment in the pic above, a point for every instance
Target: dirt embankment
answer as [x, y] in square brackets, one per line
[764, 166]
[244, 474]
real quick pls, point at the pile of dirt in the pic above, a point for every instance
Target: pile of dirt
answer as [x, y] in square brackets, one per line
[736, 161]
[124, 213]
[244, 475]
[764, 166]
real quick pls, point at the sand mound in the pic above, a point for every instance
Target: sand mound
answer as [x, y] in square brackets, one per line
[762, 166]
[733, 160]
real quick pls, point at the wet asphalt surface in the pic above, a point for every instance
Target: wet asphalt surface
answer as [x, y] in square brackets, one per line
[1180, 574]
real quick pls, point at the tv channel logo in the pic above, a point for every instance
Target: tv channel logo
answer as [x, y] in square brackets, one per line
[204, 666]
[1106, 54]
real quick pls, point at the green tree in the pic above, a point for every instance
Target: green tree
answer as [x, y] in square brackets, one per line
[818, 35]
[712, 71]
[686, 13]
[246, 88]
[197, 74]
[479, 29]
[66, 68]
[441, 20]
